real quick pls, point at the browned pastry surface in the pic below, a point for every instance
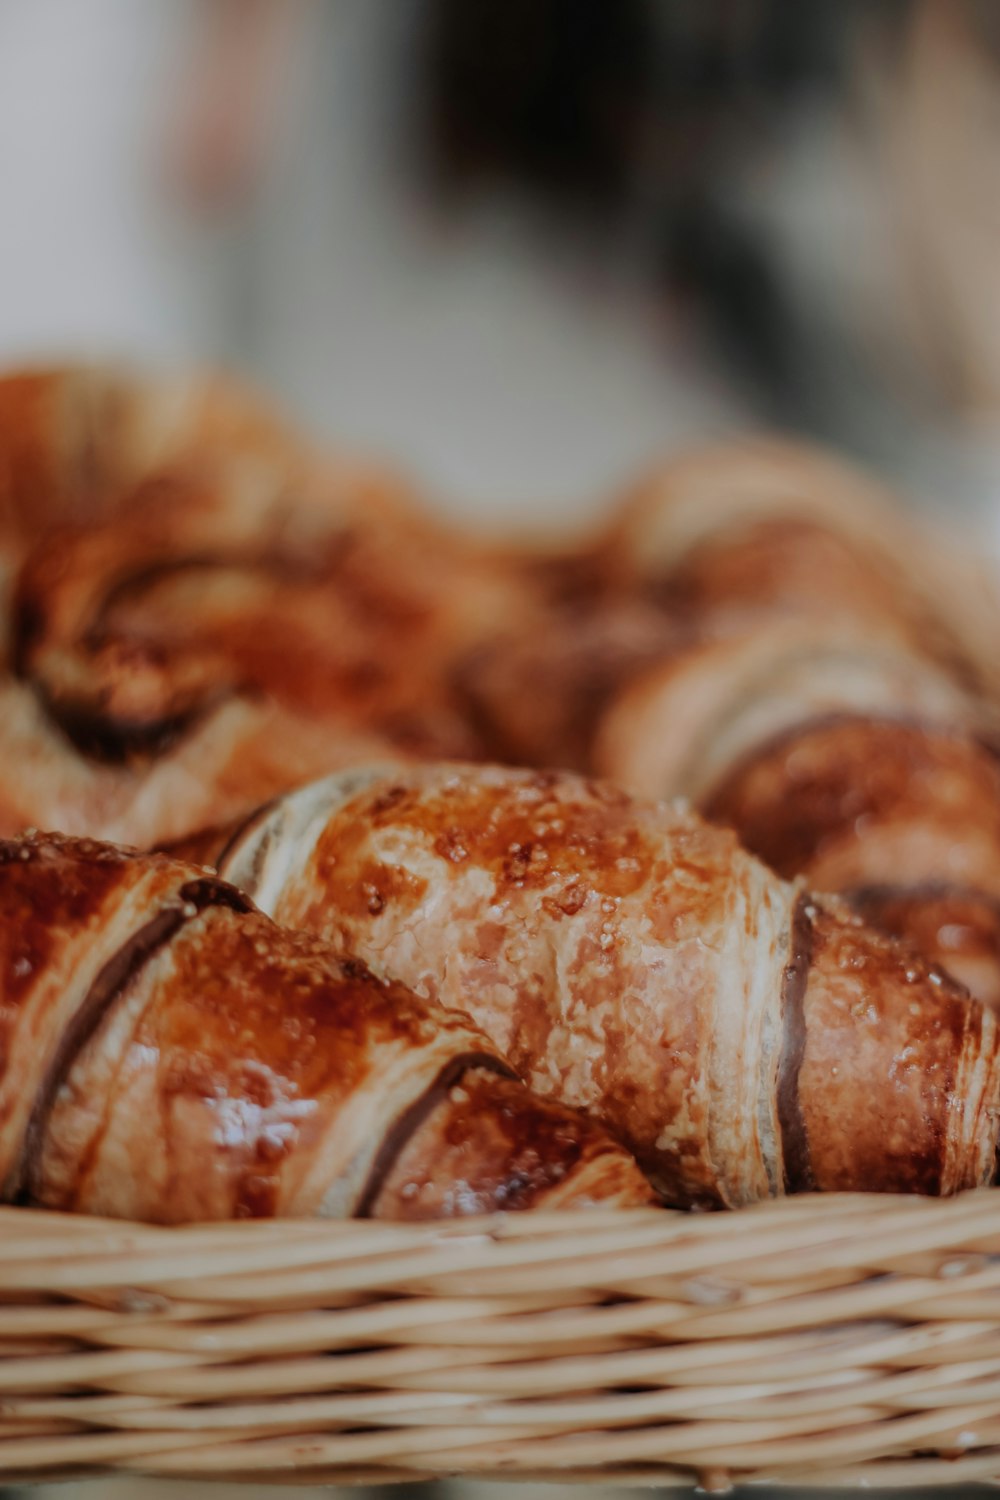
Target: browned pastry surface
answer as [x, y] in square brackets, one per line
[836, 756]
[201, 612]
[167, 1053]
[849, 801]
[957, 928]
[74, 440]
[193, 597]
[635, 962]
[714, 541]
[132, 632]
[908, 1044]
[759, 527]
[485, 1146]
[537, 689]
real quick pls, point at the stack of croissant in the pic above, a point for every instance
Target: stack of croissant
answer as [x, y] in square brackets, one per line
[391, 871]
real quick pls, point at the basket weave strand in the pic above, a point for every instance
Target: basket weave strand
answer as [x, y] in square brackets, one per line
[834, 1340]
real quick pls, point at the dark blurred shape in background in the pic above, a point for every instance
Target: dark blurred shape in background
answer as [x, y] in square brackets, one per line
[522, 245]
[649, 121]
[644, 119]
[672, 128]
[553, 94]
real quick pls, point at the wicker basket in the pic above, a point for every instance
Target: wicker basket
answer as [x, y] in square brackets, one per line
[838, 1339]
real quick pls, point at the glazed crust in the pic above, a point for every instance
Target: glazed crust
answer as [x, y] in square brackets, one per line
[538, 690]
[682, 727]
[851, 802]
[844, 760]
[634, 962]
[486, 1147]
[710, 543]
[75, 439]
[130, 632]
[190, 594]
[958, 929]
[537, 687]
[170, 1054]
[762, 527]
[906, 1056]
[241, 753]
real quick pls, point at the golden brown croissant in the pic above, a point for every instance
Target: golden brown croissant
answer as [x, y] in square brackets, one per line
[827, 706]
[742, 1038]
[131, 631]
[226, 593]
[841, 758]
[167, 1053]
[75, 439]
[763, 528]
[82, 448]
[537, 689]
[712, 542]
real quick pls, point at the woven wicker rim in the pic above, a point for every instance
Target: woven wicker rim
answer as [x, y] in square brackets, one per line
[839, 1339]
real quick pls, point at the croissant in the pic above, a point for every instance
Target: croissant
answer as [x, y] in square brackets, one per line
[75, 439]
[82, 448]
[845, 760]
[167, 1053]
[741, 1037]
[224, 590]
[831, 701]
[537, 689]
[760, 528]
[714, 542]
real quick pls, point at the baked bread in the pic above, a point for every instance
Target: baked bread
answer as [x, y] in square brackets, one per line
[839, 757]
[743, 1038]
[715, 542]
[761, 528]
[193, 597]
[167, 1053]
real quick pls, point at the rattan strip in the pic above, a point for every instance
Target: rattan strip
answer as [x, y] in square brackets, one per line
[834, 1340]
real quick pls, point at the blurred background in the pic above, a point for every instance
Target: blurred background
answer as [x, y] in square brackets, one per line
[520, 247]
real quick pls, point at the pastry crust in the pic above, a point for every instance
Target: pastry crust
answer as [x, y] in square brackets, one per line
[840, 758]
[711, 544]
[191, 595]
[763, 527]
[637, 963]
[169, 1054]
